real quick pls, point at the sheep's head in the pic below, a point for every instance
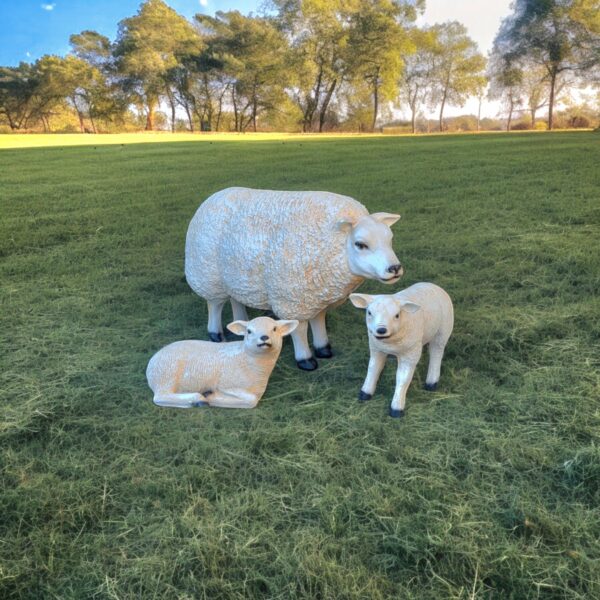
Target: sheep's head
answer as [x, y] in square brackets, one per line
[384, 313]
[369, 247]
[262, 335]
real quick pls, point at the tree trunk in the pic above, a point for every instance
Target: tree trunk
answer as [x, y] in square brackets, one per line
[553, 74]
[325, 105]
[533, 111]
[189, 116]
[375, 99]
[510, 113]
[235, 109]
[479, 114]
[150, 116]
[442, 113]
[172, 105]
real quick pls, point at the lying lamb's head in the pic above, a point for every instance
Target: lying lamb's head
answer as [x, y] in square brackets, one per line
[369, 247]
[384, 313]
[262, 335]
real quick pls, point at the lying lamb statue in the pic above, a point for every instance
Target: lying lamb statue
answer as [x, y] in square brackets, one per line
[295, 253]
[400, 325]
[193, 373]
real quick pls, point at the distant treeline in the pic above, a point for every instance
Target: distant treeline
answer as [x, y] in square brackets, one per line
[309, 65]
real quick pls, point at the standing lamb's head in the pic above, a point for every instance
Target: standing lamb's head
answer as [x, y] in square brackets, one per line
[369, 247]
[262, 335]
[384, 313]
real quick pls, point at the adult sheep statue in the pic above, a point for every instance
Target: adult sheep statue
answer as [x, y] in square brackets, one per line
[297, 254]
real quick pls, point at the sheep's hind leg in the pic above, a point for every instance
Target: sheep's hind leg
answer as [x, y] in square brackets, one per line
[171, 400]
[319, 334]
[239, 310]
[304, 357]
[215, 327]
[436, 352]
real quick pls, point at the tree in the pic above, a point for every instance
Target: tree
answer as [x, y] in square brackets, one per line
[148, 47]
[377, 42]
[416, 80]
[251, 52]
[559, 35]
[506, 81]
[18, 86]
[459, 67]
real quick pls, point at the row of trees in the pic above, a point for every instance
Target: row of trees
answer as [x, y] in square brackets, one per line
[309, 64]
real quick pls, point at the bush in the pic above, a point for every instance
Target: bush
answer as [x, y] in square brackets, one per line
[540, 126]
[522, 126]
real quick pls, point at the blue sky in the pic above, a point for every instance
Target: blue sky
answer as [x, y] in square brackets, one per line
[31, 28]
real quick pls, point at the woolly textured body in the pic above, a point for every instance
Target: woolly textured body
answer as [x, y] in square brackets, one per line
[273, 250]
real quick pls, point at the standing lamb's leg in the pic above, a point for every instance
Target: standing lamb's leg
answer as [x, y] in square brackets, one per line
[172, 400]
[376, 364]
[239, 311]
[319, 334]
[215, 327]
[233, 399]
[304, 358]
[404, 375]
[436, 352]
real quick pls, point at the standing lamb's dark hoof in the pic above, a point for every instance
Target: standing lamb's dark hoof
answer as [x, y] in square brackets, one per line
[431, 387]
[215, 337]
[363, 396]
[307, 364]
[324, 352]
[395, 413]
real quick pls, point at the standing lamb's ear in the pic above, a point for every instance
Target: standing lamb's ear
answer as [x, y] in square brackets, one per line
[286, 327]
[238, 327]
[410, 307]
[345, 225]
[386, 218]
[361, 300]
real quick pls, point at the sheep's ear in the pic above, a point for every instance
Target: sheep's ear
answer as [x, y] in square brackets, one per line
[238, 327]
[386, 218]
[286, 327]
[345, 225]
[410, 307]
[361, 300]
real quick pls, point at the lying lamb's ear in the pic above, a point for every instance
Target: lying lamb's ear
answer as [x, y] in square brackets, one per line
[345, 225]
[286, 327]
[410, 307]
[238, 327]
[361, 300]
[386, 218]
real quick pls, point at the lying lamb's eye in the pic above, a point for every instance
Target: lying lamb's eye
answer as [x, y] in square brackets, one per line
[369, 313]
[361, 245]
[398, 316]
[249, 331]
[274, 328]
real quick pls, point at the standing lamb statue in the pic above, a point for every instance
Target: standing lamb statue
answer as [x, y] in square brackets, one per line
[193, 373]
[400, 325]
[297, 254]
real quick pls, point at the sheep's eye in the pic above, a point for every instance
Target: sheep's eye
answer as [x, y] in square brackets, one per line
[361, 245]
[369, 313]
[274, 328]
[249, 331]
[398, 316]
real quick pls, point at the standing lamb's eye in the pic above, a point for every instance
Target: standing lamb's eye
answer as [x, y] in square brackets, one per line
[249, 331]
[274, 328]
[397, 316]
[369, 313]
[361, 245]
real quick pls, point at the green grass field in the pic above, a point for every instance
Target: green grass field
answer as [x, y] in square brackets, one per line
[488, 488]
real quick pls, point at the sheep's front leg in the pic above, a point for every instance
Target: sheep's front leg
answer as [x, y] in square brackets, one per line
[215, 327]
[234, 398]
[319, 334]
[304, 357]
[404, 375]
[172, 400]
[376, 364]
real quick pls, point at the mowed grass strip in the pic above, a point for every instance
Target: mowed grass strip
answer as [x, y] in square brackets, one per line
[488, 488]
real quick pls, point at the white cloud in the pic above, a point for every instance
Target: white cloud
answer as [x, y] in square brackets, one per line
[27, 54]
[48, 6]
[203, 2]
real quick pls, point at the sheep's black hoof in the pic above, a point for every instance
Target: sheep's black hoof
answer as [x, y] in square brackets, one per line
[307, 364]
[431, 387]
[215, 337]
[363, 396]
[395, 413]
[324, 352]
[200, 404]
